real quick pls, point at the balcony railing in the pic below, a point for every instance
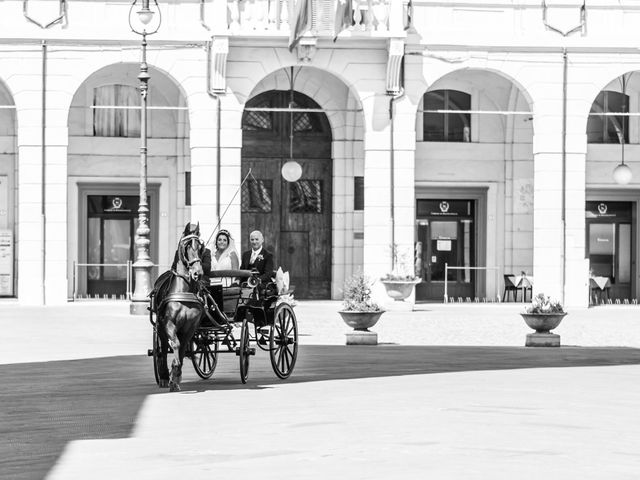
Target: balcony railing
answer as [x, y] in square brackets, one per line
[275, 16]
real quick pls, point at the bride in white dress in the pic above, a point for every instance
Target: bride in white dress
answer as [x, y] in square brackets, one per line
[225, 256]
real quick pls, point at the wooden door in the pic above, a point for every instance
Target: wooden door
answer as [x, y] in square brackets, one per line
[295, 218]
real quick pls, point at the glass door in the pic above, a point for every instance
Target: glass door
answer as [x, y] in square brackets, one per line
[609, 250]
[110, 243]
[446, 236]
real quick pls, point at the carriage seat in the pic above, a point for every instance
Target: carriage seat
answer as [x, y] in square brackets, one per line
[226, 298]
[230, 297]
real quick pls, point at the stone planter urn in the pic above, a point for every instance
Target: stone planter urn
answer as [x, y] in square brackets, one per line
[399, 289]
[543, 323]
[361, 322]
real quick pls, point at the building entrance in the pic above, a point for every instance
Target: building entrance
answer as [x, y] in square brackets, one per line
[111, 226]
[446, 235]
[295, 217]
[609, 232]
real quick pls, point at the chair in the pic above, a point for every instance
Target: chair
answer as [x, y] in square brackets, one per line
[510, 288]
[526, 288]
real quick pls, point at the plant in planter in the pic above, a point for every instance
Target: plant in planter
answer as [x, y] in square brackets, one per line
[543, 315]
[400, 281]
[359, 311]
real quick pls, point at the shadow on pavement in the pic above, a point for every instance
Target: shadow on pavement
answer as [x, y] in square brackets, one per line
[46, 405]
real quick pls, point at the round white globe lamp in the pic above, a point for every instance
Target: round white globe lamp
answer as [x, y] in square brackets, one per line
[622, 174]
[291, 171]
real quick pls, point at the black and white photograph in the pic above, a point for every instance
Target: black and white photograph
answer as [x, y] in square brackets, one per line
[320, 239]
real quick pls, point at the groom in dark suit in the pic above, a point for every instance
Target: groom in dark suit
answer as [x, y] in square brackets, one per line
[258, 258]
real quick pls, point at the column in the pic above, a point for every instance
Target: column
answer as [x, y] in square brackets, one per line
[204, 169]
[404, 144]
[30, 242]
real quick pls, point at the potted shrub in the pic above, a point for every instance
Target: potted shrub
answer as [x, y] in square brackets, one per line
[400, 281]
[543, 315]
[359, 311]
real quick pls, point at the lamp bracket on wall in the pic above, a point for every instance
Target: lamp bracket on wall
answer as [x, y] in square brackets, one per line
[62, 16]
[582, 27]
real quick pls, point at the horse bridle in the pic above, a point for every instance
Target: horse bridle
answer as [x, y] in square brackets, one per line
[183, 242]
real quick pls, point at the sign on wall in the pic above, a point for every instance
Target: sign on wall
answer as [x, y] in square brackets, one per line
[4, 201]
[6, 263]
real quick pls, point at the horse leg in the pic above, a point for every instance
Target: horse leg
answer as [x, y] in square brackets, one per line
[176, 370]
[163, 371]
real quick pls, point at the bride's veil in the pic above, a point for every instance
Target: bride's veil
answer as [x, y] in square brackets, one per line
[230, 248]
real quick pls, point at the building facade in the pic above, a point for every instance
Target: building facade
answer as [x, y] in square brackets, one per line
[480, 135]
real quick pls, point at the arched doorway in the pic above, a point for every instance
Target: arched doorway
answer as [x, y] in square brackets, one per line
[474, 177]
[8, 194]
[104, 175]
[294, 217]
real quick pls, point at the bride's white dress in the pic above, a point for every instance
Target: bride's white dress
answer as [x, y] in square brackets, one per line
[223, 263]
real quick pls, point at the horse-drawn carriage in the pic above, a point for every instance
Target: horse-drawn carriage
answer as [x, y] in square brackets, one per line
[187, 324]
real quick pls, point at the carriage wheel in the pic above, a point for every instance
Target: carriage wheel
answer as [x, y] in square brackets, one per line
[283, 341]
[244, 352]
[156, 355]
[203, 357]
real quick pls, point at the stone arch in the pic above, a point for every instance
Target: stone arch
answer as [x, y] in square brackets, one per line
[330, 91]
[500, 91]
[615, 84]
[103, 163]
[492, 171]
[345, 116]
[9, 179]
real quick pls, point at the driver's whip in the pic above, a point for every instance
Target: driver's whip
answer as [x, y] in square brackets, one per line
[228, 205]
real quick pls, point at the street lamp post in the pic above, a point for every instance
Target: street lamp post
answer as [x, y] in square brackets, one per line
[143, 264]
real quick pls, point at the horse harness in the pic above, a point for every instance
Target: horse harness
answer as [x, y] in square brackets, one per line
[183, 241]
[202, 298]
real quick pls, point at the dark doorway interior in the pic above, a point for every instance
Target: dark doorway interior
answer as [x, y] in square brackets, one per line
[610, 228]
[446, 235]
[111, 226]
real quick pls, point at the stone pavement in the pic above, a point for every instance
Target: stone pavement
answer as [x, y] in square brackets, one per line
[92, 329]
[571, 422]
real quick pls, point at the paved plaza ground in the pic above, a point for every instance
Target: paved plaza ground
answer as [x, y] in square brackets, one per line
[474, 403]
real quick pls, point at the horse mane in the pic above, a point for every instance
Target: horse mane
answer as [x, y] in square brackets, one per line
[160, 289]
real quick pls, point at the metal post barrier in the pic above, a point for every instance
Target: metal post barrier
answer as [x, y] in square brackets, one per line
[129, 274]
[446, 282]
[76, 272]
[75, 275]
[446, 276]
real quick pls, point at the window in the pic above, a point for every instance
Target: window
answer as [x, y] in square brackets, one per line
[258, 121]
[256, 196]
[187, 188]
[116, 122]
[358, 193]
[305, 196]
[608, 129]
[446, 127]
